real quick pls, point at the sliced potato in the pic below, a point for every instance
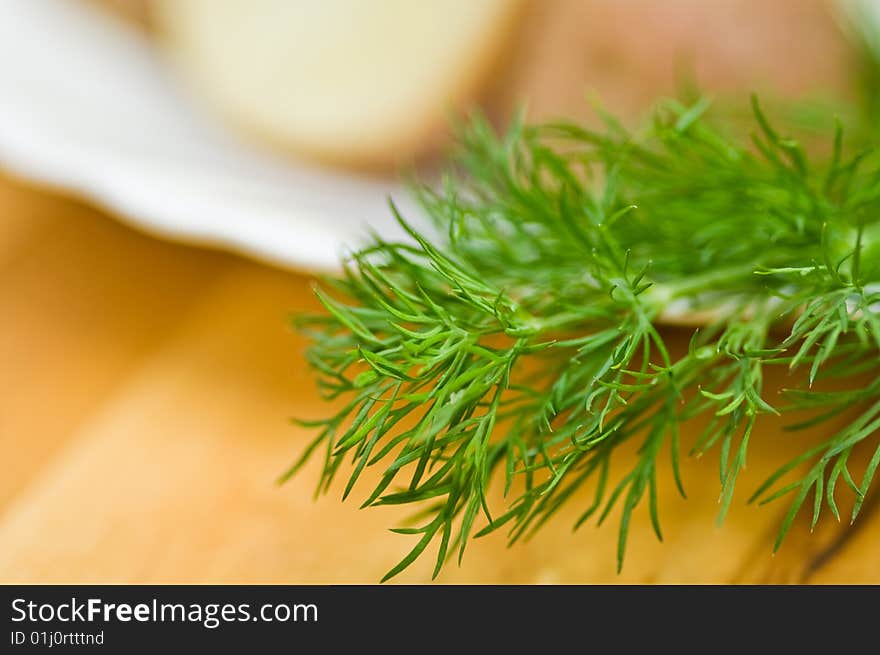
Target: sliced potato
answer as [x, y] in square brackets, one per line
[354, 81]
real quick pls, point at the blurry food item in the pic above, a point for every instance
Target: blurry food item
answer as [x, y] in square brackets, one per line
[629, 53]
[372, 81]
[347, 80]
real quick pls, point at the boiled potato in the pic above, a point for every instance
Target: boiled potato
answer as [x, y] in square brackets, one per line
[352, 81]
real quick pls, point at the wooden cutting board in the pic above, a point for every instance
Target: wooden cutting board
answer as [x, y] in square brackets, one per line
[145, 391]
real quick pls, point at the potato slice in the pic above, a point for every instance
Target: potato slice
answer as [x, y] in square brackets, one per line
[352, 81]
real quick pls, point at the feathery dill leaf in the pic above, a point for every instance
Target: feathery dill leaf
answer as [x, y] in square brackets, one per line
[521, 348]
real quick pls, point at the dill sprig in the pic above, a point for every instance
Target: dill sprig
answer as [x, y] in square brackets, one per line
[520, 347]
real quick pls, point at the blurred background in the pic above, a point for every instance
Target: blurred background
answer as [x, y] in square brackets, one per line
[172, 175]
[373, 83]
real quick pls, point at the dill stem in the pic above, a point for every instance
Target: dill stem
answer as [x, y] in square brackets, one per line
[713, 280]
[756, 246]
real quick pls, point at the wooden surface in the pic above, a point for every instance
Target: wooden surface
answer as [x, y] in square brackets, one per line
[145, 390]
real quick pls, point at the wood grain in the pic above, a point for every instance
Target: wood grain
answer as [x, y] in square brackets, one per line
[145, 391]
[80, 307]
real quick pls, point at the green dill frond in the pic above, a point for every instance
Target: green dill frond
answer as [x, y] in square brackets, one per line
[521, 347]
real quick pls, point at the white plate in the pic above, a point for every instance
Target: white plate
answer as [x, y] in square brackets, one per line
[85, 105]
